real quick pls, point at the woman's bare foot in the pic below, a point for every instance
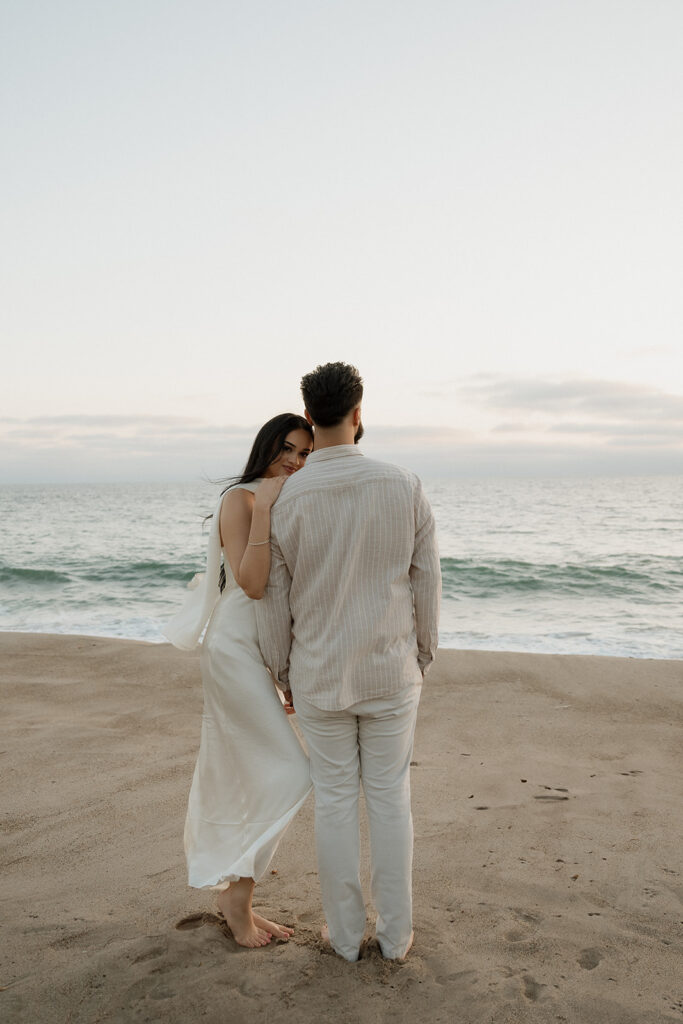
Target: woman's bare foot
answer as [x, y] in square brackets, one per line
[235, 905]
[278, 931]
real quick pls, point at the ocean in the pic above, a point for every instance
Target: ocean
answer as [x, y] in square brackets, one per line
[567, 566]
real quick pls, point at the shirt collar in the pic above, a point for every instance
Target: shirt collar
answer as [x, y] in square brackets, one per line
[336, 451]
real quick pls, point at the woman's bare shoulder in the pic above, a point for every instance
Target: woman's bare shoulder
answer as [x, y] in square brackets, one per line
[237, 507]
[237, 496]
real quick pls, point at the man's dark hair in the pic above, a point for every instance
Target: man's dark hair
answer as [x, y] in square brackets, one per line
[330, 392]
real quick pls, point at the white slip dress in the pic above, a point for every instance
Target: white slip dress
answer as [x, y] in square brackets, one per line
[251, 775]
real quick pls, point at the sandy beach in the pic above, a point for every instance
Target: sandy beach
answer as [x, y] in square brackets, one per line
[548, 839]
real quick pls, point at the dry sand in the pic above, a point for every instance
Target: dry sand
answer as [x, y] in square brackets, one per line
[547, 802]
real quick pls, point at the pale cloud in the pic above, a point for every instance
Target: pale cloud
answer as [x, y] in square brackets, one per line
[616, 430]
[602, 408]
[83, 420]
[88, 428]
[554, 425]
[514, 427]
[407, 434]
[552, 428]
[82, 448]
[598, 397]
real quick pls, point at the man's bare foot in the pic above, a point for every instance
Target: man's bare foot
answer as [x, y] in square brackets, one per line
[278, 931]
[235, 905]
[410, 946]
[325, 935]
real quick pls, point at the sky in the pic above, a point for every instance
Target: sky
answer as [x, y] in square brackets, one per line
[476, 203]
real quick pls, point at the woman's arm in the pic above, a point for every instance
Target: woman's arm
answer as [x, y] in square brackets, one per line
[245, 534]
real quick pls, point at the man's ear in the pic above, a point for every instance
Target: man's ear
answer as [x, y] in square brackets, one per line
[308, 416]
[356, 416]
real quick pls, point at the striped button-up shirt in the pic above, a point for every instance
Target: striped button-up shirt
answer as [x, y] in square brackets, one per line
[352, 603]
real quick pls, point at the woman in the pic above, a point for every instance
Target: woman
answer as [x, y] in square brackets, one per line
[252, 775]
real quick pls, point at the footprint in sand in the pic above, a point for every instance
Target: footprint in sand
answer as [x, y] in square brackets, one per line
[522, 935]
[526, 915]
[532, 990]
[308, 917]
[162, 993]
[153, 953]
[195, 921]
[589, 959]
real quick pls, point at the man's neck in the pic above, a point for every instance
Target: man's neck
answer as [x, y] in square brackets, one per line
[333, 437]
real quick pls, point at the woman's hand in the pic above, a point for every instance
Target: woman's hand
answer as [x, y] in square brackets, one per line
[266, 494]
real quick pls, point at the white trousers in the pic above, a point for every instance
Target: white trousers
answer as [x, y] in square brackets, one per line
[370, 742]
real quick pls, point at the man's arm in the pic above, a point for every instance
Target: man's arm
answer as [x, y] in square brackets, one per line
[274, 619]
[425, 576]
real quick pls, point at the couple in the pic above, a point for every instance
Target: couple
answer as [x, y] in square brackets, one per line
[332, 588]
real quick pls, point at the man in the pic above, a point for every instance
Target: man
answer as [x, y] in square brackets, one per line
[348, 623]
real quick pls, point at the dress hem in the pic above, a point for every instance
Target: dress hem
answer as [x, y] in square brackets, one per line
[248, 858]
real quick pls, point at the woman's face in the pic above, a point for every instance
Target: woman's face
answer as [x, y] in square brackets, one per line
[297, 445]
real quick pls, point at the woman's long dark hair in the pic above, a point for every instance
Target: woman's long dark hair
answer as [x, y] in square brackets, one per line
[268, 444]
